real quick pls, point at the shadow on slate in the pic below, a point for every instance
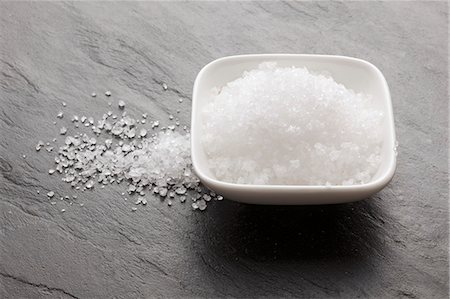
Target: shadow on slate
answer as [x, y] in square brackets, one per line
[291, 233]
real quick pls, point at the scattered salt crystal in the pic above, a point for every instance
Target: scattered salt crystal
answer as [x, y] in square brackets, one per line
[171, 116]
[121, 104]
[133, 209]
[93, 94]
[90, 184]
[51, 171]
[63, 131]
[163, 192]
[143, 133]
[63, 210]
[108, 93]
[180, 100]
[164, 86]
[131, 133]
[50, 194]
[201, 204]
[181, 190]
[323, 131]
[64, 104]
[39, 145]
[60, 114]
[160, 162]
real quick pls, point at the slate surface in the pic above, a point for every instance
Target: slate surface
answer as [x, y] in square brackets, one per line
[392, 245]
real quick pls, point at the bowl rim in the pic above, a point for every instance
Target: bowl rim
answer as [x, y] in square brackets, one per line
[376, 184]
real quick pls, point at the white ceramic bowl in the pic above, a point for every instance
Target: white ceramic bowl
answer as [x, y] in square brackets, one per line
[356, 74]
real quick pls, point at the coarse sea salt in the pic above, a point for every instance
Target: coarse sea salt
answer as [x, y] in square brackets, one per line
[290, 126]
[118, 150]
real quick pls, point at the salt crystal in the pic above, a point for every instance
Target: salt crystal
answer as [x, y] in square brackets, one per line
[181, 190]
[121, 104]
[63, 131]
[93, 94]
[51, 171]
[163, 192]
[64, 104]
[108, 93]
[39, 145]
[201, 204]
[90, 184]
[50, 194]
[143, 133]
[164, 86]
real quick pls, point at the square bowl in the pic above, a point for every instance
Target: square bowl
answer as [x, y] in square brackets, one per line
[356, 74]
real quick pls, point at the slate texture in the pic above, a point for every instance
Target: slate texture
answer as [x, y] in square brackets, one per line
[392, 245]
